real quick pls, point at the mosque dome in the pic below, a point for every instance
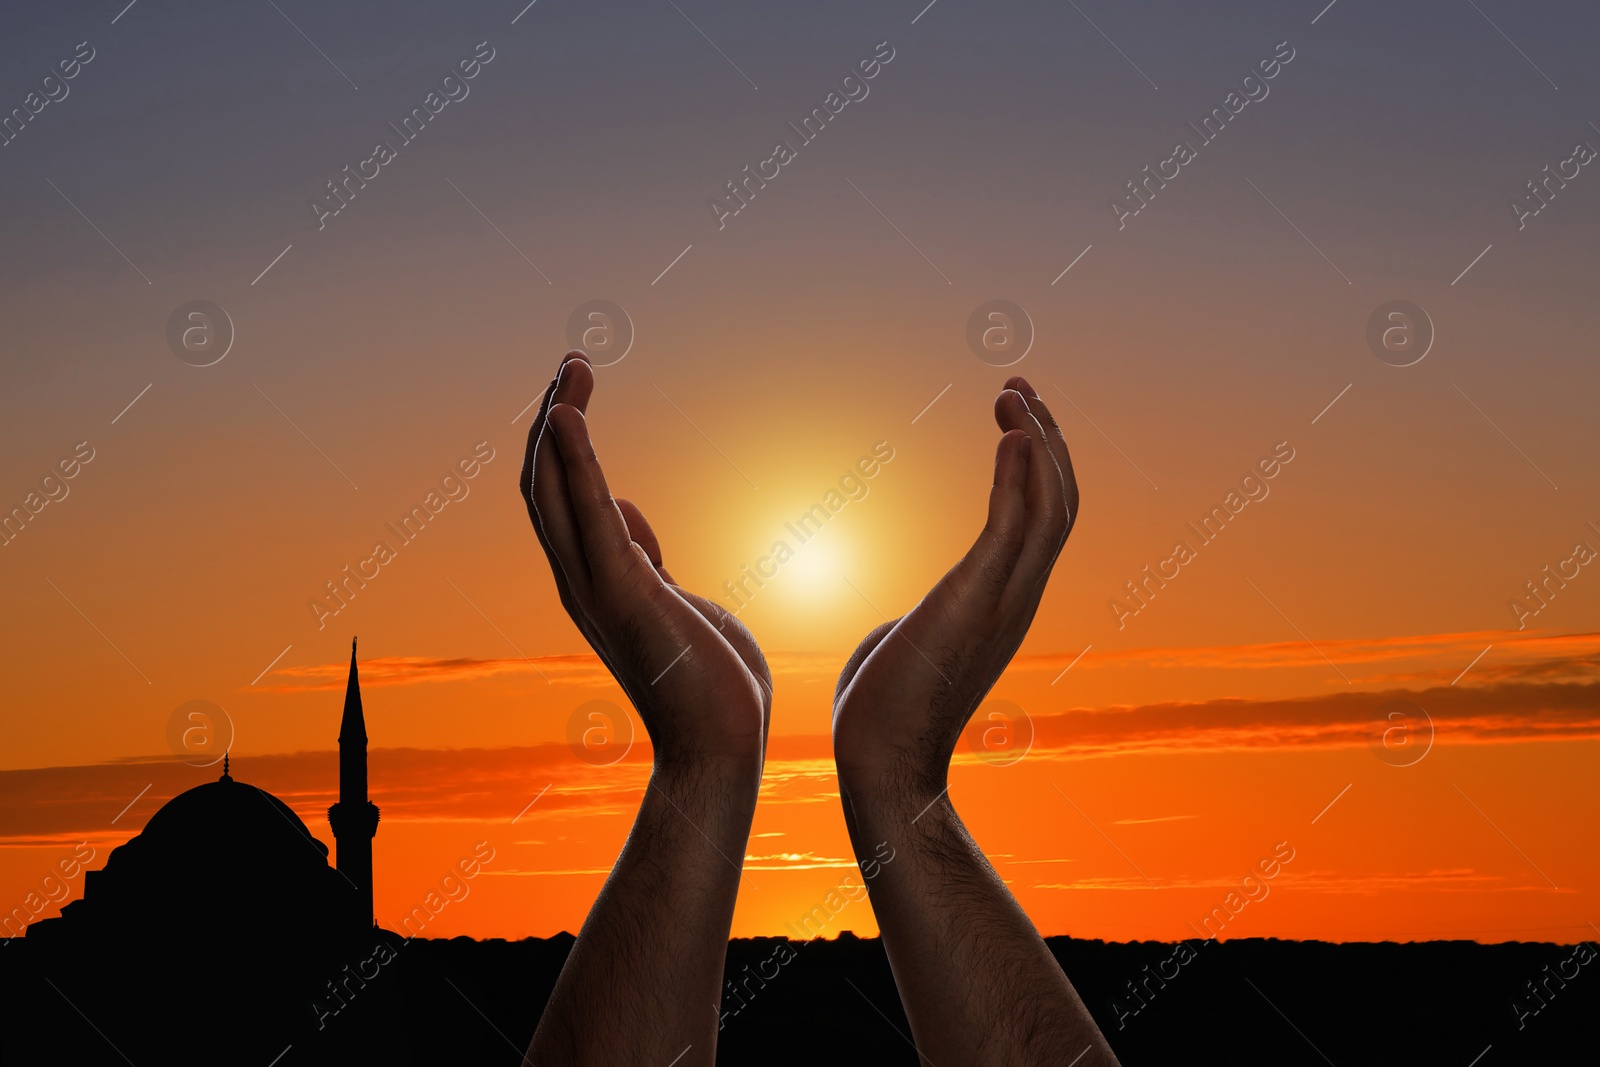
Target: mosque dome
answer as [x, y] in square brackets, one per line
[230, 816]
[221, 854]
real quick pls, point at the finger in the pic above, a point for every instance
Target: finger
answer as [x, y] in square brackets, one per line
[558, 523]
[645, 537]
[575, 382]
[1045, 492]
[570, 390]
[525, 481]
[545, 400]
[604, 532]
[550, 495]
[1054, 437]
[639, 530]
[525, 486]
[1008, 505]
[993, 557]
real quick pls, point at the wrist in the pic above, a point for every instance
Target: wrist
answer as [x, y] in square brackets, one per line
[710, 781]
[723, 744]
[893, 791]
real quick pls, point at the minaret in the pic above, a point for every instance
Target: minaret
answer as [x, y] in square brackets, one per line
[354, 819]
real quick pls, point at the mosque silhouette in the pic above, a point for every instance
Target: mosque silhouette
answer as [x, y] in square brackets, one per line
[239, 844]
[221, 925]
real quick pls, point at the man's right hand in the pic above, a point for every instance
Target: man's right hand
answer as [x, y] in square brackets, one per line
[978, 983]
[910, 687]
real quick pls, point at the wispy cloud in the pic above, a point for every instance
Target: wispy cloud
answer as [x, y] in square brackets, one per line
[581, 668]
[1413, 659]
[578, 668]
[48, 805]
[1462, 880]
[1495, 714]
[1531, 654]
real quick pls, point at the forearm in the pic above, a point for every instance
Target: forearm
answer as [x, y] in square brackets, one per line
[644, 978]
[944, 913]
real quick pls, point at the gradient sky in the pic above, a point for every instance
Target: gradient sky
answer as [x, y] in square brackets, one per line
[1179, 749]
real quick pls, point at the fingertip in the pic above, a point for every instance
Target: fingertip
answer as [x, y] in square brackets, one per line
[1020, 384]
[573, 364]
[1013, 412]
[1009, 406]
[574, 383]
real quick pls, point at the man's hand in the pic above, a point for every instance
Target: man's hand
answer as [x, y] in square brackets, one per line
[692, 671]
[912, 684]
[978, 983]
[644, 978]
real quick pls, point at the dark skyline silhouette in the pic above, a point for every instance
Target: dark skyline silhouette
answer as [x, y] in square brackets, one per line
[221, 933]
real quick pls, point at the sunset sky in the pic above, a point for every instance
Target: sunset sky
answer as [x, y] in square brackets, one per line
[1223, 325]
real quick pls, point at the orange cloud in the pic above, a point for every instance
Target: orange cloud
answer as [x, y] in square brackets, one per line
[1494, 714]
[1528, 654]
[1363, 884]
[46, 805]
[1531, 656]
[583, 668]
[414, 670]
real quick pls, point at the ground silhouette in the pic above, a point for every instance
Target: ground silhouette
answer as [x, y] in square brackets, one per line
[477, 1002]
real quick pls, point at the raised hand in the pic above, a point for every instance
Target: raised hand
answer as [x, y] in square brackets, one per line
[978, 983]
[913, 683]
[644, 978]
[692, 671]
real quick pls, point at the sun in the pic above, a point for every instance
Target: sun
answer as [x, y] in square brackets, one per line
[815, 571]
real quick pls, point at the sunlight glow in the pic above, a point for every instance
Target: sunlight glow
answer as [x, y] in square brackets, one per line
[814, 571]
